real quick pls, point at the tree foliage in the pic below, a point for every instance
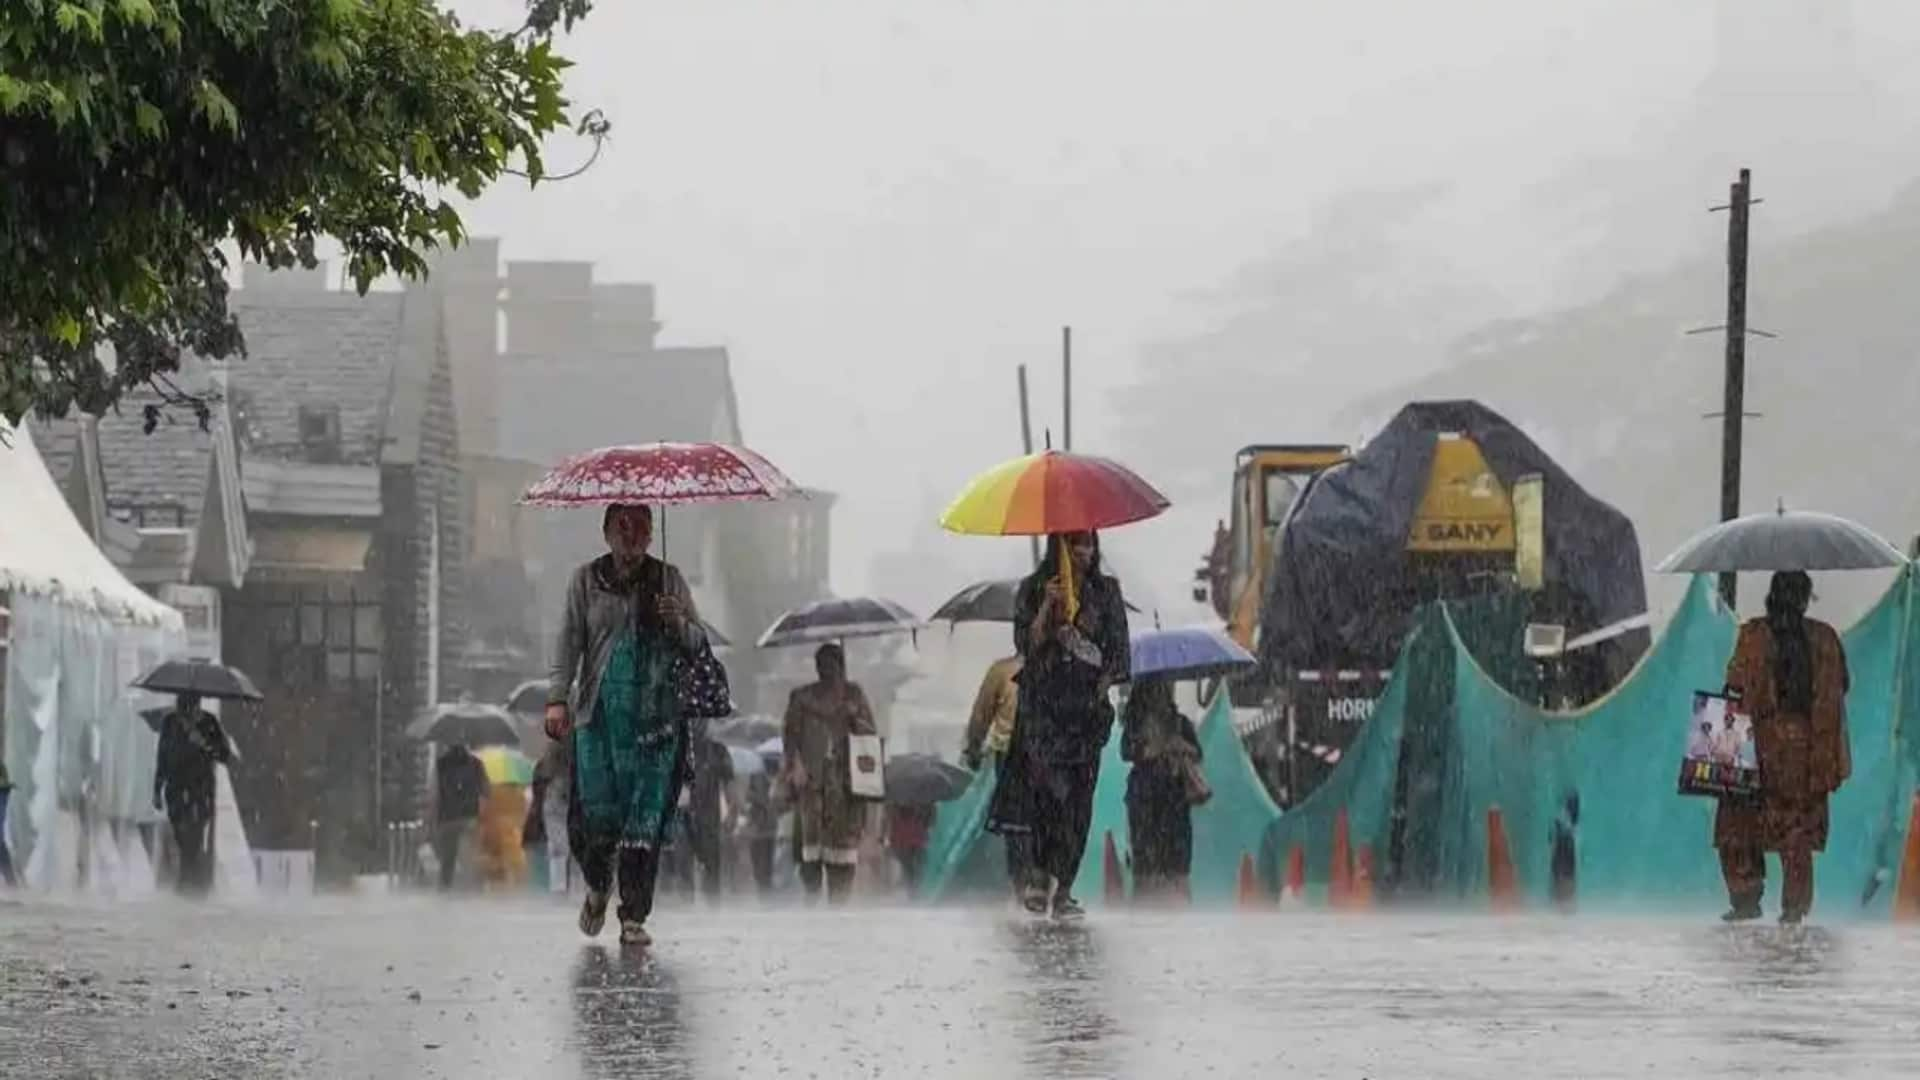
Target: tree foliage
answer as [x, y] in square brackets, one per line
[137, 137]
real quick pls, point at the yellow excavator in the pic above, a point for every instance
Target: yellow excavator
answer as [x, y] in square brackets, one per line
[1266, 481]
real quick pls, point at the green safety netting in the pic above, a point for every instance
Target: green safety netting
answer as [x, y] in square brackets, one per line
[1229, 825]
[964, 860]
[1470, 745]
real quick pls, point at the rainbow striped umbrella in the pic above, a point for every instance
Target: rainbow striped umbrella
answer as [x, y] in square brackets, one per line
[505, 765]
[1052, 492]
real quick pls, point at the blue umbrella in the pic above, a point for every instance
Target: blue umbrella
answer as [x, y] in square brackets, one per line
[1187, 652]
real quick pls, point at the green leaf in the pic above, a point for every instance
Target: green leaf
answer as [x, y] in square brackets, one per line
[65, 329]
[213, 104]
[14, 94]
[138, 12]
[149, 119]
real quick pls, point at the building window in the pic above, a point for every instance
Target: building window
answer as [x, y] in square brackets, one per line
[320, 433]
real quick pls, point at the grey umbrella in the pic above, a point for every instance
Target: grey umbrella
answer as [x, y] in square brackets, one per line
[199, 678]
[837, 620]
[748, 731]
[1783, 540]
[469, 723]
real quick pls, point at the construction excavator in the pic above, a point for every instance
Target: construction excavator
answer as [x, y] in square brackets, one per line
[1328, 551]
[1267, 480]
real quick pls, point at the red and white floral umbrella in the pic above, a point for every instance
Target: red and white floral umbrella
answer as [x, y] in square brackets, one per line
[662, 474]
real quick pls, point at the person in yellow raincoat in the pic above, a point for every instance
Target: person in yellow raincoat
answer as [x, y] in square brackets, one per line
[503, 863]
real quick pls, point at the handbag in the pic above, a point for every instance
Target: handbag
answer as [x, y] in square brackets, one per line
[699, 678]
[700, 682]
[1194, 781]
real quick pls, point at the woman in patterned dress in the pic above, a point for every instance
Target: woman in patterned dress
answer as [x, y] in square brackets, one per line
[612, 693]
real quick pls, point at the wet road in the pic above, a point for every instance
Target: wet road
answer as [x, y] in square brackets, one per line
[420, 988]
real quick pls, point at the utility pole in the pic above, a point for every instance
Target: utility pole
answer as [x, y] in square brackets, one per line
[1026, 443]
[1066, 388]
[1733, 409]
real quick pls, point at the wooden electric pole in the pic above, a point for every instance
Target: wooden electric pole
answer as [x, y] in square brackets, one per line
[1733, 409]
[1066, 388]
[1026, 443]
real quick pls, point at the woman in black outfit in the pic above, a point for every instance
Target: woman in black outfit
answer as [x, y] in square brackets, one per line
[1070, 629]
[1165, 749]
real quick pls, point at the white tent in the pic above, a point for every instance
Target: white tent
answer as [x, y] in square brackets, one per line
[80, 757]
[45, 552]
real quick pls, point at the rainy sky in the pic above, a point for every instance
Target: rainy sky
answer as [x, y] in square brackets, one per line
[883, 208]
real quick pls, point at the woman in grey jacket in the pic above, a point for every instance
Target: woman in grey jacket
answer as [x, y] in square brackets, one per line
[612, 692]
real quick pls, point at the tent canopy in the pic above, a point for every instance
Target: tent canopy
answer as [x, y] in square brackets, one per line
[45, 552]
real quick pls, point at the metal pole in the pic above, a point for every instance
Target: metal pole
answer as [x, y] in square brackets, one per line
[1066, 388]
[1734, 407]
[379, 749]
[1026, 443]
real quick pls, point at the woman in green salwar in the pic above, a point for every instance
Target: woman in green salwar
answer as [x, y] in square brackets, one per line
[612, 693]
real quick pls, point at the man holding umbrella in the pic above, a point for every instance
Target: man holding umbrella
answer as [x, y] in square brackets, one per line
[191, 743]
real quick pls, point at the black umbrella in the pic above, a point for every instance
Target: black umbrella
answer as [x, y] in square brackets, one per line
[200, 678]
[985, 601]
[837, 620]
[747, 731]
[469, 723]
[918, 779]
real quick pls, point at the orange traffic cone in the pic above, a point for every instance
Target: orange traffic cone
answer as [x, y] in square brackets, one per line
[1295, 888]
[1340, 874]
[1906, 896]
[1363, 877]
[1502, 886]
[1250, 893]
[1116, 883]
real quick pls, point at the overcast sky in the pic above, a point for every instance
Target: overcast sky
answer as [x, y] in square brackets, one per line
[883, 208]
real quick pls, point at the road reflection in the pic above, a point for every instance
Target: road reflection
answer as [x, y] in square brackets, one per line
[1064, 1026]
[627, 1014]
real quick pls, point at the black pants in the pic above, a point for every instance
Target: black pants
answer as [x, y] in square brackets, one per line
[760, 851]
[1018, 859]
[1159, 823]
[637, 868]
[839, 880]
[6, 857]
[600, 858]
[912, 862]
[195, 876]
[1061, 814]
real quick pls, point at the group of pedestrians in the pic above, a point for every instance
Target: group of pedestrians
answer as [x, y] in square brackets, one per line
[618, 713]
[1043, 715]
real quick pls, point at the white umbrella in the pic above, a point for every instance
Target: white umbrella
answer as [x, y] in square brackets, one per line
[1783, 540]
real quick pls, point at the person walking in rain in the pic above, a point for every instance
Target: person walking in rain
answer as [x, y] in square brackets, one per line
[1161, 788]
[460, 786]
[612, 692]
[989, 732]
[6, 856]
[1791, 674]
[828, 820]
[191, 743]
[1070, 629]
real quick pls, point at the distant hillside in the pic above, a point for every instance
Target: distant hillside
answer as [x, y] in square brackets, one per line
[1616, 389]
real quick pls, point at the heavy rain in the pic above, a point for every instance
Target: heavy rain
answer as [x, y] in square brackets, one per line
[633, 539]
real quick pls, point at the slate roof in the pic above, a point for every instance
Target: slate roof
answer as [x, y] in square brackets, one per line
[164, 474]
[551, 407]
[319, 349]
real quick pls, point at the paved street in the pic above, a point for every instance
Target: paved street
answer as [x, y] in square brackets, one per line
[418, 987]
